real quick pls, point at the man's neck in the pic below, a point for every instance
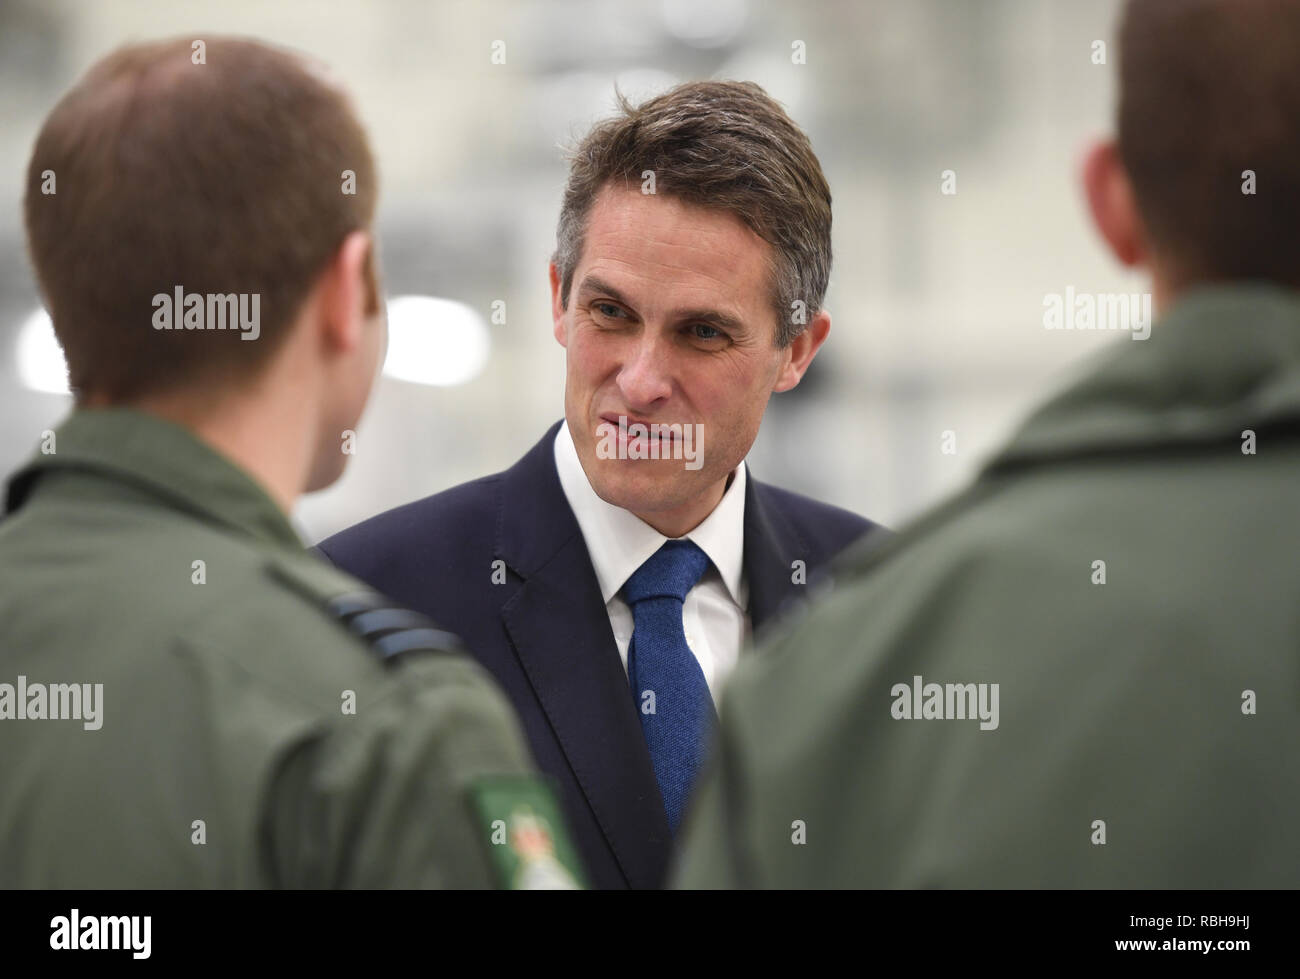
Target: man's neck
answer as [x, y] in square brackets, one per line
[268, 441]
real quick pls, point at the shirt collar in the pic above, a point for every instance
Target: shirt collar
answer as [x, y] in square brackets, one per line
[1222, 360]
[619, 542]
[160, 458]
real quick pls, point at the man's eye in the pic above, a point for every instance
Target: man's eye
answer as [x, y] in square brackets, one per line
[703, 331]
[606, 309]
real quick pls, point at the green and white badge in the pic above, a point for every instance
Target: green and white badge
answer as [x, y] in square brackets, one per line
[527, 843]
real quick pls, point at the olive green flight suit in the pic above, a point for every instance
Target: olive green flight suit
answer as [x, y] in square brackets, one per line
[189, 699]
[1083, 671]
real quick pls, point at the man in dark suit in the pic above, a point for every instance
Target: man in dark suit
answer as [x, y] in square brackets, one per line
[611, 577]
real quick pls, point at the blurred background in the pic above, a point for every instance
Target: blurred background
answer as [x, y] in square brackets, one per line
[936, 299]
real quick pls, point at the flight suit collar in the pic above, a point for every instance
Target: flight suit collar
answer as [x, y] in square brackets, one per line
[1223, 360]
[162, 459]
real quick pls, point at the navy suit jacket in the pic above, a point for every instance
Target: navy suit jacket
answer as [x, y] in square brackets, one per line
[544, 633]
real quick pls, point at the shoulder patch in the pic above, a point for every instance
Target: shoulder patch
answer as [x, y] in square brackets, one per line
[388, 629]
[521, 826]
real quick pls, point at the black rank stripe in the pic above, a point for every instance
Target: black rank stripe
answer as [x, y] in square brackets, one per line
[388, 629]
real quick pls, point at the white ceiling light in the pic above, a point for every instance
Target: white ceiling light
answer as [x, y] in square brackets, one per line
[705, 23]
[41, 366]
[435, 341]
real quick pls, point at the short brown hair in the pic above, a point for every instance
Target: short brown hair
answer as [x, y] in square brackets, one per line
[1208, 90]
[220, 177]
[725, 145]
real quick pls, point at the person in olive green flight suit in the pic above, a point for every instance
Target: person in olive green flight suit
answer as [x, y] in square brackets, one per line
[1081, 672]
[187, 697]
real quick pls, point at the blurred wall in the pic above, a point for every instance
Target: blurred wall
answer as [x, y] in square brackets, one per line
[937, 299]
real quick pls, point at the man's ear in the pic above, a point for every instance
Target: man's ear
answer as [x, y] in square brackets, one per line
[1113, 204]
[557, 310]
[802, 350]
[347, 292]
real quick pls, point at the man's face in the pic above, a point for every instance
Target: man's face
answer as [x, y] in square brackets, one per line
[670, 322]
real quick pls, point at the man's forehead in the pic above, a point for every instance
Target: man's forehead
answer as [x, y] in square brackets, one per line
[632, 236]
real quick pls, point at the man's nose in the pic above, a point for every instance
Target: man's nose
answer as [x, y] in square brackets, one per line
[646, 375]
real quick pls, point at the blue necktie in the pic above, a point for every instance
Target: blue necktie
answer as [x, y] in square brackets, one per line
[672, 698]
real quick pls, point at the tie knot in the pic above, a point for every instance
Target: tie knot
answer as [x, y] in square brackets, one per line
[669, 572]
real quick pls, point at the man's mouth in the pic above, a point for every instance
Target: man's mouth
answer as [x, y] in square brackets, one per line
[629, 437]
[631, 427]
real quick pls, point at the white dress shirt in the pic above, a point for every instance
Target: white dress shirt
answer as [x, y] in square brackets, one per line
[714, 614]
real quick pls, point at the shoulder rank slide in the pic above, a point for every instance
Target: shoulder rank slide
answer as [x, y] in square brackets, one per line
[390, 630]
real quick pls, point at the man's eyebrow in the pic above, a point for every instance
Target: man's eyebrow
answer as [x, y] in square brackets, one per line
[594, 284]
[711, 317]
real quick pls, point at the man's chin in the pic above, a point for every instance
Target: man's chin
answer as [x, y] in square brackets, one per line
[646, 491]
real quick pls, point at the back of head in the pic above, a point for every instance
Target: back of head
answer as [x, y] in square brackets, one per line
[1210, 89]
[216, 170]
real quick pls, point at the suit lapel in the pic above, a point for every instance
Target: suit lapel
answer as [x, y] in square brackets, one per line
[772, 545]
[560, 630]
